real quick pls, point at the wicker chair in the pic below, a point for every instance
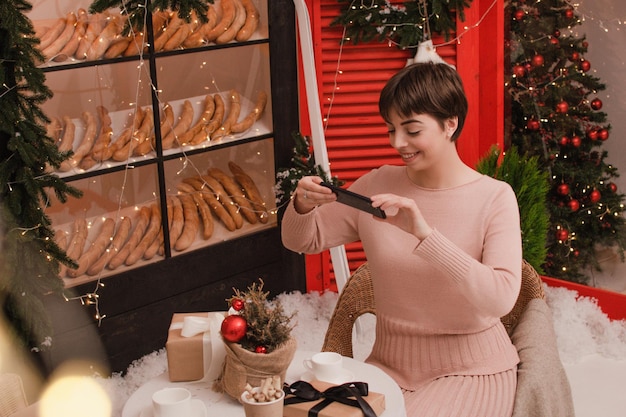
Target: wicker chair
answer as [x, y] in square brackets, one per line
[12, 397]
[357, 298]
[543, 388]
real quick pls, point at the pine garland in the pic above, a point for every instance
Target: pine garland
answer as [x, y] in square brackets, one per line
[402, 24]
[30, 257]
[136, 9]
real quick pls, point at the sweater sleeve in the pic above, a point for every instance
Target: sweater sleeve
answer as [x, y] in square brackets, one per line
[322, 228]
[490, 284]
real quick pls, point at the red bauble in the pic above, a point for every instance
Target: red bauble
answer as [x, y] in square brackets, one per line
[234, 328]
[564, 141]
[585, 65]
[612, 187]
[592, 134]
[573, 205]
[538, 60]
[519, 14]
[575, 141]
[562, 107]
[237, 304]
[575, 56]
[603, 134]
[562, 234]
[556, 33]
[563, 189]
[519, 70]
[595, 196]
[260, 349]
[554, 41]
[569, 13]
[596, 104]
[533, 124]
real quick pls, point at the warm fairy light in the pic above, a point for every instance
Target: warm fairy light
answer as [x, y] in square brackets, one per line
[70, 395]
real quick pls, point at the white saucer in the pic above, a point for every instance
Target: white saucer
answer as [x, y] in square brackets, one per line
[343, 377]
[198, 409]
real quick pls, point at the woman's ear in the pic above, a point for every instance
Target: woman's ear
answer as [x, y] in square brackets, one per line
[451, 125]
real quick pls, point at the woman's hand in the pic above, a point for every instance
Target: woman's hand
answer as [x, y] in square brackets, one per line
[310, 194]
[403, 213]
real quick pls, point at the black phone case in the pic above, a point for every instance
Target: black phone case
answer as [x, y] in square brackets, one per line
[355, 200]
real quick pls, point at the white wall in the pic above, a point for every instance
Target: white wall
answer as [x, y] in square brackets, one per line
[605, 28]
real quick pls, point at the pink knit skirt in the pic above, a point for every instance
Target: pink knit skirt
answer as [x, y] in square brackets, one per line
[464, 396]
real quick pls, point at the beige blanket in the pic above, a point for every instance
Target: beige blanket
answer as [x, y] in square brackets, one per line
[543, 389]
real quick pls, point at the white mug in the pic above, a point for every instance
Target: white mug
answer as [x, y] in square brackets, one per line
[325, 366]
[171, 402]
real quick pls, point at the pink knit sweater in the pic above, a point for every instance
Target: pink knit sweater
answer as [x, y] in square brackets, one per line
[438, 301]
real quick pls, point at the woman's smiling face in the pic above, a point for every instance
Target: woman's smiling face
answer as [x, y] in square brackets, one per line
[420, 139]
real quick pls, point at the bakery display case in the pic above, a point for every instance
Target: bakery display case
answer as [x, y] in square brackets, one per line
[175, 143]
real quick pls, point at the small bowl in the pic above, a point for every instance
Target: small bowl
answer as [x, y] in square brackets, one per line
[272, 408]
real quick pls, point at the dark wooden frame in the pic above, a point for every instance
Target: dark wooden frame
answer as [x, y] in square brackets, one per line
[139, 303]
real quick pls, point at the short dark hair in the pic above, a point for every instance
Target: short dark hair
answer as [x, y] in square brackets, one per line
[425, 88]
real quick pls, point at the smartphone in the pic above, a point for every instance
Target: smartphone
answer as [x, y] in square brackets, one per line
[355, 200]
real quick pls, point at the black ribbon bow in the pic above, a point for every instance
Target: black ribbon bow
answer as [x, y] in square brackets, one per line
[302, 392]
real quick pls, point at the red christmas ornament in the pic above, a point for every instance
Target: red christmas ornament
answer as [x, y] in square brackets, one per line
[575, 141]
[592, 134]
[575, 56]
[569, 13]
[533, 124]
[234, 328]
[573, 205]
[519, 14]
[538, 60]
[237, 304]
[596, 104]
[556, 33]
[563, 189]
[562, 234]
[576, 253]
[519, 70]
[595, 196]
[603, 134]
[612, 187]
[564, 141]
[585, 65]
[562, 107]
[554, 41]
[260, 349]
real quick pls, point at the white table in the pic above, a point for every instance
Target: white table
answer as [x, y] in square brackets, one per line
[222, 405]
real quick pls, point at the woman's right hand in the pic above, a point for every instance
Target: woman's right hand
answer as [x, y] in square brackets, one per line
[310, 194]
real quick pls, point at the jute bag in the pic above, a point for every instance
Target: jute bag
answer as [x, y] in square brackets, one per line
[242, 366]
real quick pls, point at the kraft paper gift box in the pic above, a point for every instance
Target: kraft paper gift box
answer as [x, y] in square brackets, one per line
[194, 347]
[334, 409]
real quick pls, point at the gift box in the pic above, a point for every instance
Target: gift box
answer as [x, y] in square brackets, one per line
[327, 400]
[194, 347]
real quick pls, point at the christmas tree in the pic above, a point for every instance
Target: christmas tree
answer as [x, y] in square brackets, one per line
[556, 117]
[29, 256]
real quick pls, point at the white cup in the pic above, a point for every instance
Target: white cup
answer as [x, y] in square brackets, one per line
[171, 402]
[325, 366]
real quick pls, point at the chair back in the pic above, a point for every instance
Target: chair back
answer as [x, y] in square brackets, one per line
[357, 298]
[12, 397]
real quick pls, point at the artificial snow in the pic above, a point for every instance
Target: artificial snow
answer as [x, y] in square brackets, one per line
[592, 349]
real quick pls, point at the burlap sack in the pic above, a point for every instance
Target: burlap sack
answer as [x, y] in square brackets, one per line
[242, 366]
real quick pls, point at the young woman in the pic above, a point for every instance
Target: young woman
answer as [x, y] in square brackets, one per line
[446, 260]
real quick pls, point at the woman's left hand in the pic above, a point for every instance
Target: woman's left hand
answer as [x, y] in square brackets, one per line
[403, 213]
